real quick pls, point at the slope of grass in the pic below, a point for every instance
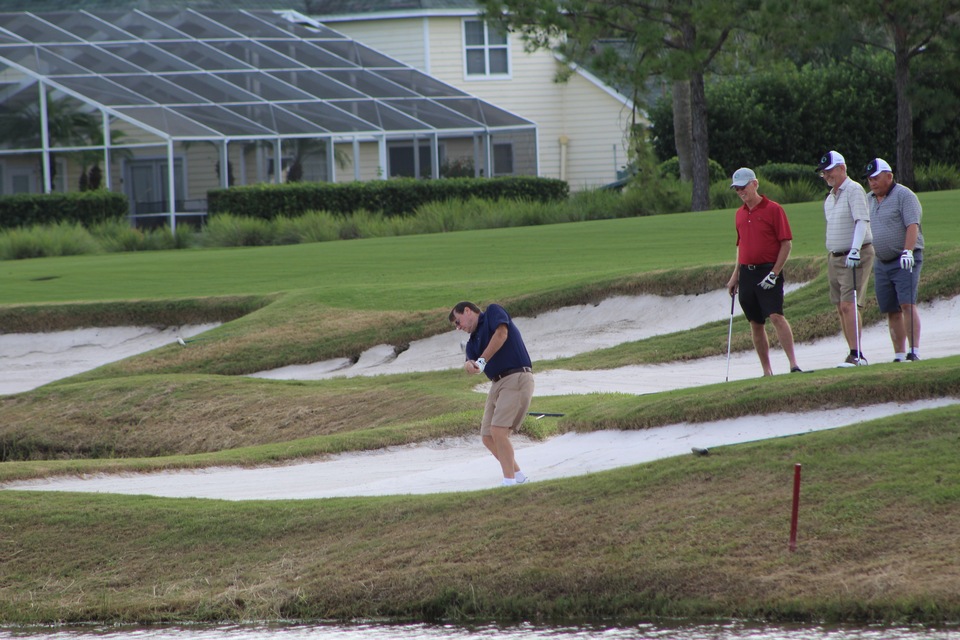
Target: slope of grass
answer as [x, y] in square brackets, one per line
[689, 536]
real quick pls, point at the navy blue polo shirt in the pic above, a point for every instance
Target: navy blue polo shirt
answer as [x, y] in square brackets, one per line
[512, 355]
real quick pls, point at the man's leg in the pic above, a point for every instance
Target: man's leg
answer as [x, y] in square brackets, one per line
[762, 345]
[904, 328]
[911, 325]
[502, 450]
[785, 336]
[850, 323]
[491, 445]
[898, 334]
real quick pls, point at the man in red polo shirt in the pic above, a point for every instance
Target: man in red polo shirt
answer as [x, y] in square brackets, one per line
[764, 241]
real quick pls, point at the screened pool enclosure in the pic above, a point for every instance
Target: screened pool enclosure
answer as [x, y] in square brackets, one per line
[164, 105]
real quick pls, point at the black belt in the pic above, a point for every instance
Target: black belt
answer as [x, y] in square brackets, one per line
[754, 267]
[837, 254]
[510, 372]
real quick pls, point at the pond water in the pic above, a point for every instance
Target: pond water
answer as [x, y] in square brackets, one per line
[380, 631]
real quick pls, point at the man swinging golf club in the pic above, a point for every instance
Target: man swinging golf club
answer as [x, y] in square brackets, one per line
[764, 241]
[496, 349]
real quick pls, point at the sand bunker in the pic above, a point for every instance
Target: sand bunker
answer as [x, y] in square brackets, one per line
[462, 464]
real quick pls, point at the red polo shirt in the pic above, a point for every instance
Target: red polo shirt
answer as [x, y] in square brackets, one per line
[760, 231]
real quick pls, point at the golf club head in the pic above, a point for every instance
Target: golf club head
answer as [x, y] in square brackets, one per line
[181, 342]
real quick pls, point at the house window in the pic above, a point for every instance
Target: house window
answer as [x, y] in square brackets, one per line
[503, 159]
[485, 50]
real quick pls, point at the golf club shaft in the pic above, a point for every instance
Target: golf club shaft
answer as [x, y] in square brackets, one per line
[856, 312]
[733, 301]
[913, 309]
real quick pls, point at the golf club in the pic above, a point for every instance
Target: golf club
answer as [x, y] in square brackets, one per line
[733, 301]
[540, 415]
[856, 313]
[913, 309]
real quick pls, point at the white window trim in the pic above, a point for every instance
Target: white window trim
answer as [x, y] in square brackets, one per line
[486, 49]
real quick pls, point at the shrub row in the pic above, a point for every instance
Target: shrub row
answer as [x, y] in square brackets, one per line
[73, 238]
[86, 208]
[395, 197]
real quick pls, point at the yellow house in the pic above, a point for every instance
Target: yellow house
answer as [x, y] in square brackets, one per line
[583, 124]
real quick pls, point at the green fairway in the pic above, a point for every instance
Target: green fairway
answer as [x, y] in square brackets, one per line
[423, 272]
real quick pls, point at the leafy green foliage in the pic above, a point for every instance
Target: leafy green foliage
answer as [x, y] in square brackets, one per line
[793, 117]
[87, 208]
[395, 197]
[937, 176]
[671, 168]
[782, 172]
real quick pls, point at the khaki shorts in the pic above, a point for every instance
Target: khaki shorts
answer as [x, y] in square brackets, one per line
[841, 277]
[507, 403]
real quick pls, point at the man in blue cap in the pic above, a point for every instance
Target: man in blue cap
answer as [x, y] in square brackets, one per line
[850, 250]
[895, 214]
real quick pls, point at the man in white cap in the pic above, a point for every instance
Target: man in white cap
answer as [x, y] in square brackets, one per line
[850, 249]
[895, 212]
[764, 241]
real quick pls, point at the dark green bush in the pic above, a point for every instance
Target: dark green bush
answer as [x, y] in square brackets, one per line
[87, 208]
[783, 172]
[795, 116]
[395, 197]
[671, 169]
[937, 176]
[723, 197]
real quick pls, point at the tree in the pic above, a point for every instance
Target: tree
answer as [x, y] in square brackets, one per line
[906, 29]
[678, 39]
[910, 28]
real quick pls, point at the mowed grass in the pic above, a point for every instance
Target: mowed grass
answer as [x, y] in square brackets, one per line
[688, 537]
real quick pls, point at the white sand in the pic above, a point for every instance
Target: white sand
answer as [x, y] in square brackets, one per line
[463, 464]
[30, 360]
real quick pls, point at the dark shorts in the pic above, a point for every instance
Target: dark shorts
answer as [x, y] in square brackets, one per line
[758, 303]
[895, 286]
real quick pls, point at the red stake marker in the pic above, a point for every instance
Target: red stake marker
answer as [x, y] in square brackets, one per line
[796, 507]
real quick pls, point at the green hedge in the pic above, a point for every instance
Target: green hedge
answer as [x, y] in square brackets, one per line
[395, 197]
[86, 208]
[794, 116]
[671, 169]
[783, 172]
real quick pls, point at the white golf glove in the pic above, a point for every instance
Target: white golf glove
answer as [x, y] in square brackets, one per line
[481, 364]
[906, 260]
[853, 259]
[770, 281]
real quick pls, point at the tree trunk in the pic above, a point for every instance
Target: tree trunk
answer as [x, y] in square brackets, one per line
[904, 168]
[701, 147]
[682, 128]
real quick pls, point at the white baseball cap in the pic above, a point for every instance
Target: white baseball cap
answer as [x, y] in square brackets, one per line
[876, 167]
[742, 177]
[829, 160]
